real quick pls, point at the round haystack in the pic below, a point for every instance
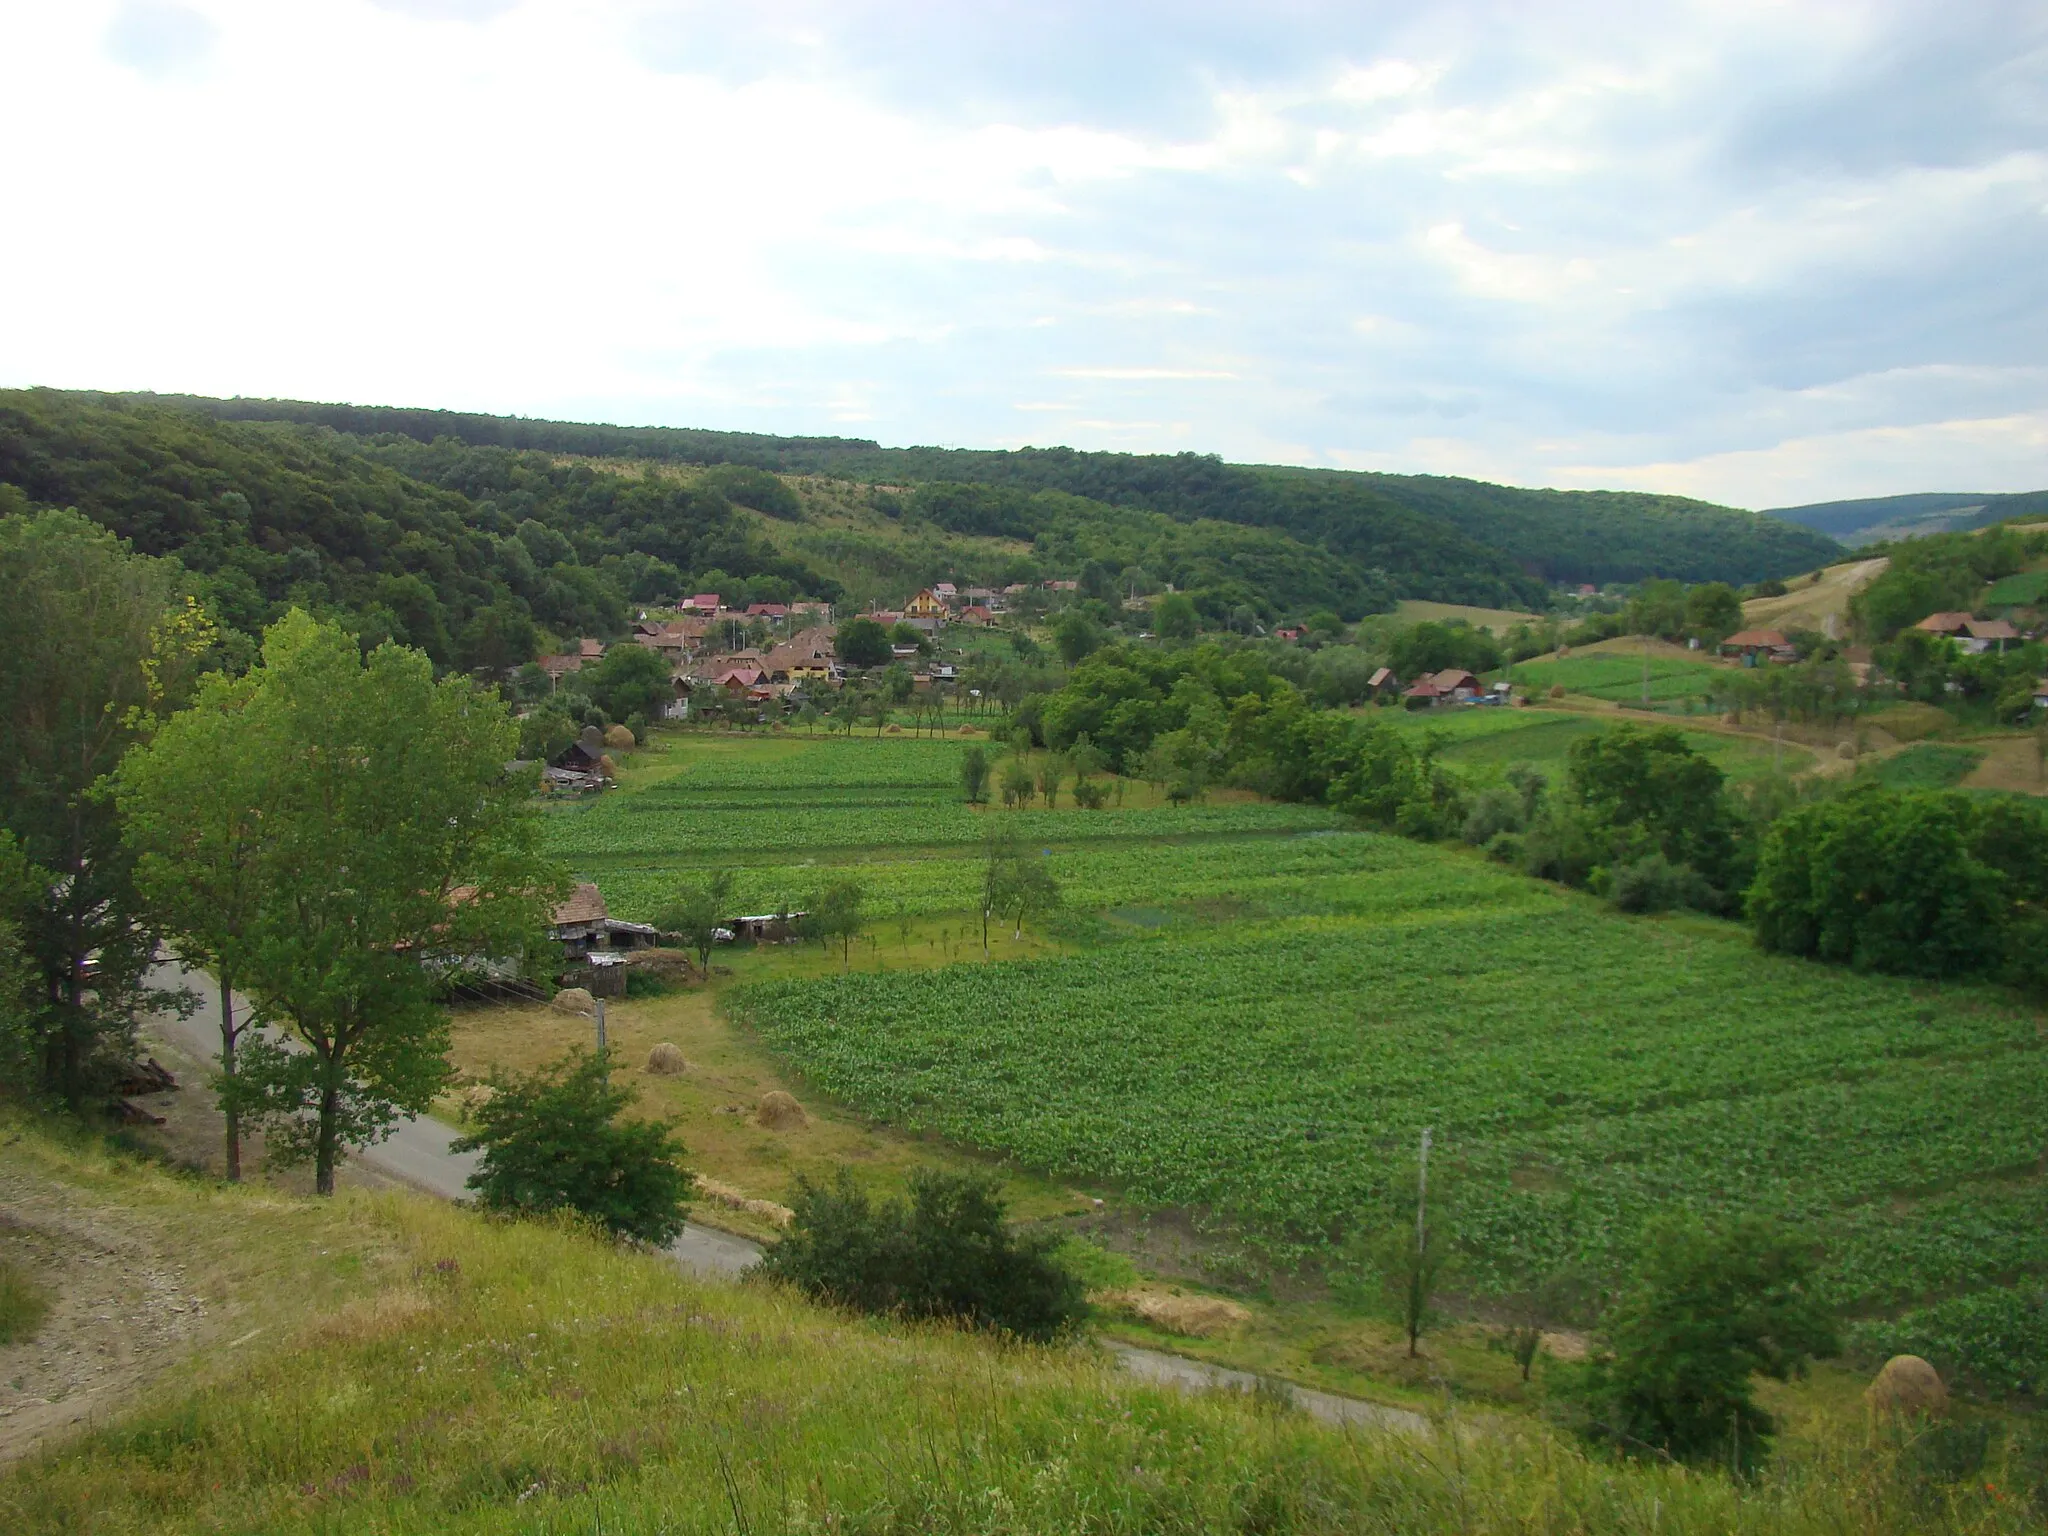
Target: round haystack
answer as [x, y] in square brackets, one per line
[1846, 749]
[666, 1060]
[780, 1112]
[576, 1000]
[1557, 690]
[1907, 1386]
[619, 738]
[894, 730]
[968, 730]
[606, 768]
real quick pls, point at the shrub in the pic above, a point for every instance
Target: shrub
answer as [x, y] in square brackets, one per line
[553, 1141]
[1090, 794]
[946, 1252]
[1655, 884]
[1709, 1308]
[1495, 811]
[23, 1305]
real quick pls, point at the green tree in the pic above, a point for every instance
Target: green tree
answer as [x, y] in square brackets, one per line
[974, 773]
[838, 912]
[1052, 772]
[1028, 891]
[861, 642]
[1018, 783]
[98, 647]
[1076, 635]
[630, 680]
[553, 1141]
[395, 845]
[1652, 792]
[1712, 612]
[697, 913]
[192, 804]
[1710, 1307]
[1175, 617]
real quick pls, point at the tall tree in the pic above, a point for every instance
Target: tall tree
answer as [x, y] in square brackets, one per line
[192, 804]
[395, 843]
[97, 645]
[697, 912]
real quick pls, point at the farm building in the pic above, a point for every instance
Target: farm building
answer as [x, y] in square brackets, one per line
[1755, 645]
[1455, 683]
[1424, 695]
[1383, 682]
[581, 925]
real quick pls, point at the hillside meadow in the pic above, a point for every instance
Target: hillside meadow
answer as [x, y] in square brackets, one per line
[469, 1376]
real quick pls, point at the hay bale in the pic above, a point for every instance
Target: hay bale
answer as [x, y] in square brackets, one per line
[1907, 1387]
[576, 1000]
[1846, 749]
[779, 1112]
[606, 768]
[736, 1200]
[894, 730]
[666, 1060]
[1196, 1317]
[1557, 690]
[619, 738]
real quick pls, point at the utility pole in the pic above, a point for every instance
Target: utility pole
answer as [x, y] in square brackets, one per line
[600, 1025]
[1646, 669]
[1422, 1197]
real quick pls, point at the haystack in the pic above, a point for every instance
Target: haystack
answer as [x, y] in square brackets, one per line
[780, 1112]
[1907, 1387]
[619, 738]
[968, 730]
[666, 1060]
[1198, 1317]
[894, 730]
[475, 1097]
[576, 1000]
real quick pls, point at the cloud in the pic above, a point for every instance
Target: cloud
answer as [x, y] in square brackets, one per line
[1715, 243]
[159, 39]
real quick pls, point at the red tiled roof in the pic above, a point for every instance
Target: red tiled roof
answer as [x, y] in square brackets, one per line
[1760, 638]
[585, 905]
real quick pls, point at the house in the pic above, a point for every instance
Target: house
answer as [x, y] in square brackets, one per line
[1587, 589]
[1453, 683]
[1954, 624]
[590, 650]
[1062, 586]
[1383, 682]
[1424, 695]
[775, 613]
[1979, 635]
[767, 927]
[733, 681]
[559, 667]
[904, 652]
[926, 605]
[703, 603]
[946, 592]
[885, 618]
[976, 616]
[581, 756]
[1755, 645]
[1287, 632]
[581, 925]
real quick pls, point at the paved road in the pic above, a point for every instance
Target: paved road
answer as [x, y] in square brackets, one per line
[418, 1149]
[418, 1152]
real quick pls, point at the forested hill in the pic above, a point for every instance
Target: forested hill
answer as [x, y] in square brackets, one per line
[1876, 518]
[1452, 539]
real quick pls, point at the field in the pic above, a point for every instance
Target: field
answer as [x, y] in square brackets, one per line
[1927, 766]
[1485, 740]
[1677, 682]
[1246, 1012]
[1815, 605]
[1415, 610]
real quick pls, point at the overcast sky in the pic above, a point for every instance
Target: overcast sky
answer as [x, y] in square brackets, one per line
[1759, 252]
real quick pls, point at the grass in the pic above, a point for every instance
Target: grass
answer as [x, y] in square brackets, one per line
[23, 1305]
[1415, 610]
[1490, 739]
[502, 1378]
[2023, 589]
[1675, 681]
[1926, 766]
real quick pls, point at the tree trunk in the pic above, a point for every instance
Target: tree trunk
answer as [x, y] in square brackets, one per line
[227, 1071]
[324, 1154]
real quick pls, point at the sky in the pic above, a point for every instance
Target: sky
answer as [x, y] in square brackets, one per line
[1763, 253]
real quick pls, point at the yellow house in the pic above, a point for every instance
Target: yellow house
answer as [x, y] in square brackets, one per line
[925, 605]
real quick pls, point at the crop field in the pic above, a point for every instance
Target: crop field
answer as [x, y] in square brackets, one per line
[1619, 678]
[1927, 766]
[1579, 1069]
[1488, 739]
[1253, 1009]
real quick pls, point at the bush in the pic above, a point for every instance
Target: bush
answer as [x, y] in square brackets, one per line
[945, 1253]
[23, 1305]
[1495, 811]
[1709, 1308]
[553, 1141]
[1655, 884]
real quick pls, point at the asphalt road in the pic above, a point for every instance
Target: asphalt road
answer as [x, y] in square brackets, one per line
[418, 1150]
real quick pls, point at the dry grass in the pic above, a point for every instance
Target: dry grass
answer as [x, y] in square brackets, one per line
[1810, 605]
[2010, 763]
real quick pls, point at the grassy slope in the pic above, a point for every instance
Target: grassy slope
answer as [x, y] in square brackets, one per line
[496, 1378]
[1813, 604]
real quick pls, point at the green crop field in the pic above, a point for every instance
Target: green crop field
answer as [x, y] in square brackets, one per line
[1620, 678]
[1926, 766]
[1486, 739]
[1257, 1008]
